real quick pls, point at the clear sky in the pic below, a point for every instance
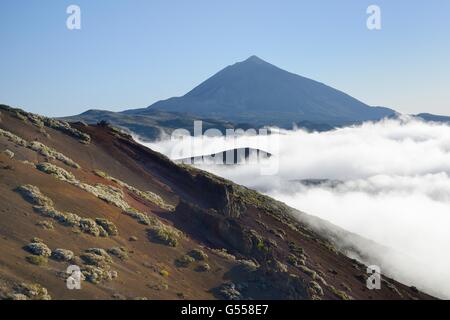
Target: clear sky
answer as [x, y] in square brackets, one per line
[131, 53]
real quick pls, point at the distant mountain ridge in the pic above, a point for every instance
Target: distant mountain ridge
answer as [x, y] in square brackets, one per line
[248, 94]
[258, 92]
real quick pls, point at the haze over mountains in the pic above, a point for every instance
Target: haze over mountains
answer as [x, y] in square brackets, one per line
[251, 93]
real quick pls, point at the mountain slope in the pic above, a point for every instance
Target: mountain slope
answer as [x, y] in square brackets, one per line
[141, 226]
[258, 92]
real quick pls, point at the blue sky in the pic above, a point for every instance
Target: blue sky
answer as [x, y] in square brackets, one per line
[131, 53]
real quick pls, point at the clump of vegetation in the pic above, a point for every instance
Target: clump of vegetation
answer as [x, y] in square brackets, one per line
[100, 252]
[229, 291]
[39, 148]
[262, 224]
[28, 163]
[309, 272]
[62, 255]
[33, 291]
[198, 254]
[142, 218]
[161, 286]
[13, 138]
[315, 289]
[36, 120]
[38, 249]
[249, 265]
[184, 261]
[109, 227]
[330, 246]
[257, 240]
[278, 232]
[101, 174]
[97, 274]
[57, 172]
[340, 294]
[153, 198]
[164, 234]
[164, 273]
[93, 259]
[119, 252]
[34, 195]
[45, 224]
[224, 254]
[65, 218]
[41, 121]
[17, 296]
[115, 196]
[44, 206]
[295, 261]
[203, 267]
[295, 249]
[52, 153]
[37, 260]
[89, 226]
[277, 266]
[65, 127]
[18, 115]
[109, 194]
[9, 153]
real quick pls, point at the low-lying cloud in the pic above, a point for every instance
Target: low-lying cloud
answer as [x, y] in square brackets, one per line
[387, 181]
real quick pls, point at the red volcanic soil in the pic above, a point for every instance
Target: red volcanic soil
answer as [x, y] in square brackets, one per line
[270, 254]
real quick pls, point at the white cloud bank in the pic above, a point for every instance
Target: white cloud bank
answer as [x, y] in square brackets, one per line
[394, 188]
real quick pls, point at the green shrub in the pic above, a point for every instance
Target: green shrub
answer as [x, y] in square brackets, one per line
[119, 252]
[57, 172]
[203, 267]
[37, 260]
[198, 255]
[315, 288]
[45, 224]
[33, 291]
[340, 294]
[184, 261]
[164, 273]
[62, 255]
[163, 234]
[38, 249]
[34, 195]
[109, 227]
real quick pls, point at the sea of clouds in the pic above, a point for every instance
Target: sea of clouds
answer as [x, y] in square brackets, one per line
[388, 182]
